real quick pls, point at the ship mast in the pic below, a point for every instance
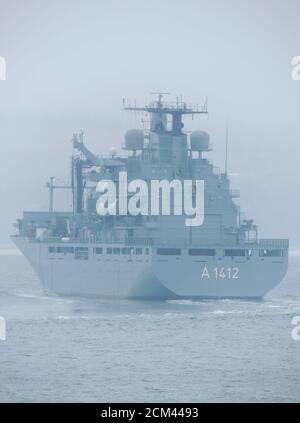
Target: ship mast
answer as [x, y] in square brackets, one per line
[159, 108]
[226, 151]
[50, 185]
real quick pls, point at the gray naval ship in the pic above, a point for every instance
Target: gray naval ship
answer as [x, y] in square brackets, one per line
[80, 252]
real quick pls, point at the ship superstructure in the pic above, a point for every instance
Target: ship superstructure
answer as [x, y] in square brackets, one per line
[81, 253]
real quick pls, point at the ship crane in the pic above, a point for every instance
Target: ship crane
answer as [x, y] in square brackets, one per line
[78, 164]
[77, 141]
[91, 158]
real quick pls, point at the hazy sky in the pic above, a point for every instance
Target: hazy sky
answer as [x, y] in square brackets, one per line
[70, 63]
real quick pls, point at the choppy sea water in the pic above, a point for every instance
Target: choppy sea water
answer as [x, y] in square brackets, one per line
[76, 349]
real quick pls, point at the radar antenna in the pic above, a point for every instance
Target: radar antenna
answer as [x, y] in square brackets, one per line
[175, 109]
[226, 150]
[160, 95]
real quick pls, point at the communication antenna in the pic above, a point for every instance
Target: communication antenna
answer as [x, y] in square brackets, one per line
[160, 95]
[205, 107]
[226, 150]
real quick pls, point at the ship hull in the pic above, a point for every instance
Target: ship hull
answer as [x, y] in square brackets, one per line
[151, 276]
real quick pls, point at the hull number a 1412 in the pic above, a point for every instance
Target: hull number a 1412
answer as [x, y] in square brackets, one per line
[221, 273]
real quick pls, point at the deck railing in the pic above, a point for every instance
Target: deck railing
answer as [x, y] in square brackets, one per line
[273, 243]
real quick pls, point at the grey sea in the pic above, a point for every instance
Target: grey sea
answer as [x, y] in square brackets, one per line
[81, 350]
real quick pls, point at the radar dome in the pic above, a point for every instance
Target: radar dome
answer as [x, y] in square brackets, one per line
[199, 141]
[134, 139]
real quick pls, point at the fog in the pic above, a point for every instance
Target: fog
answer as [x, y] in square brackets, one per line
[70, 63]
